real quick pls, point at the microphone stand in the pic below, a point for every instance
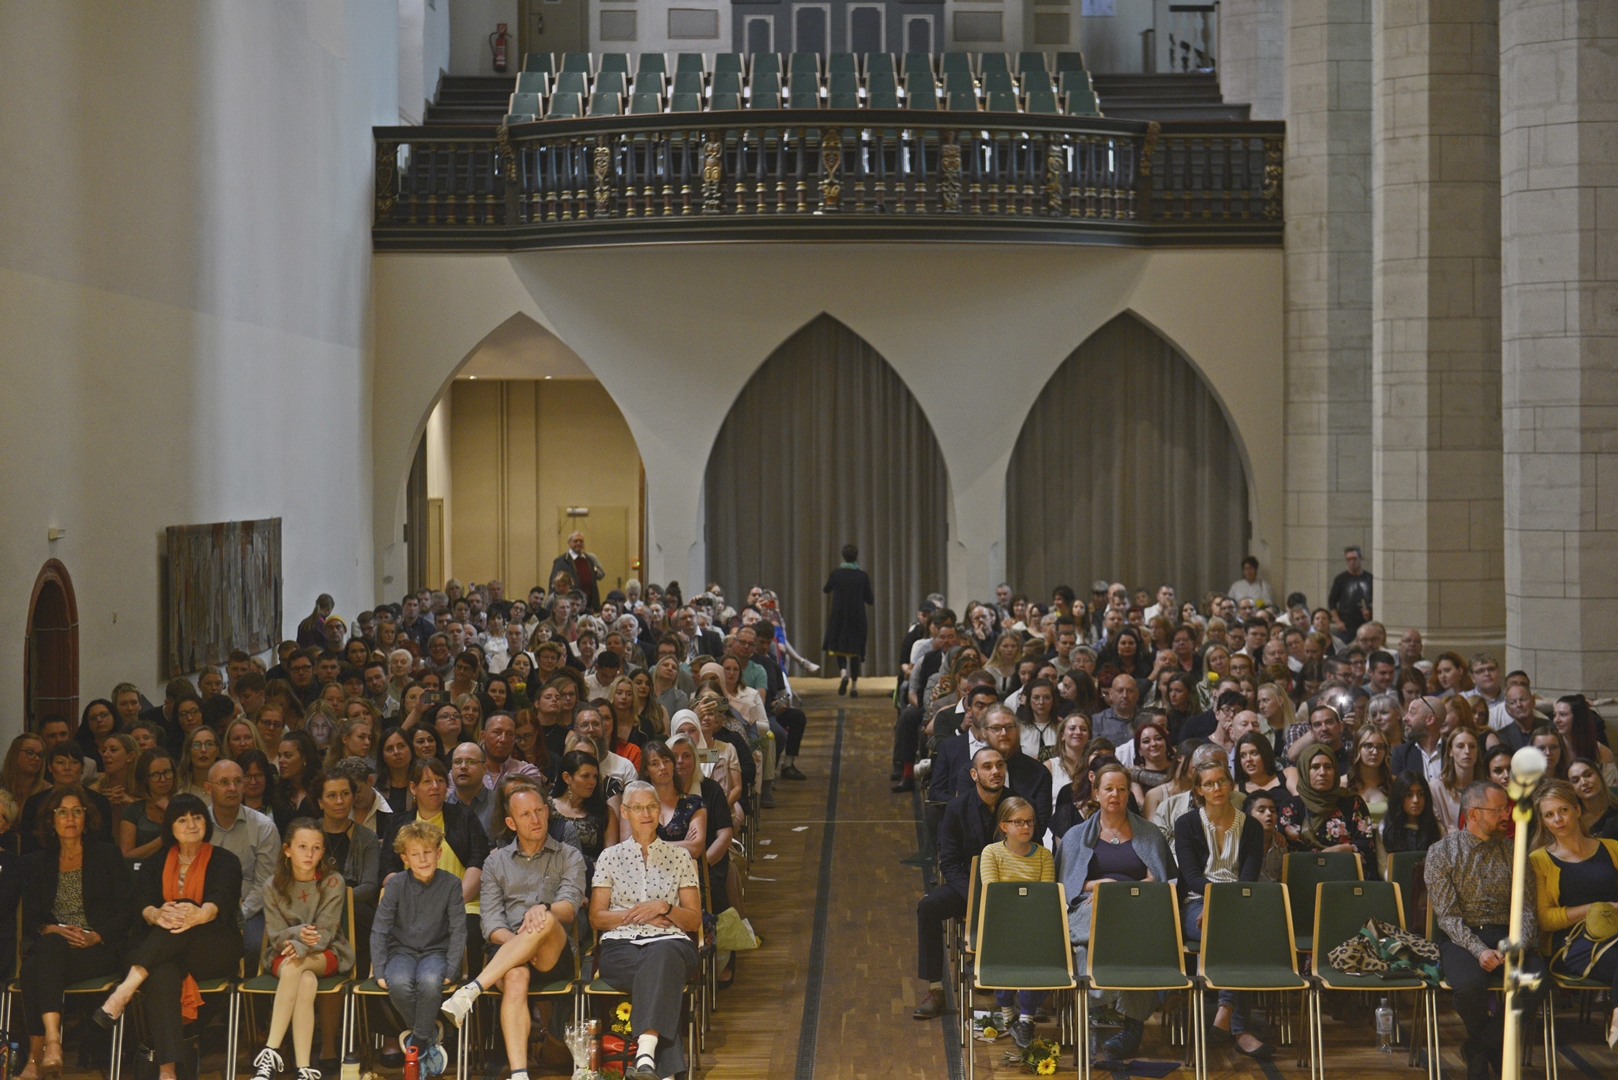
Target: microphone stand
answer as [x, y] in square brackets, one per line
[1525, 777]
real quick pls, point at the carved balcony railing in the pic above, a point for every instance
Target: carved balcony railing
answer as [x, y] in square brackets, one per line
[827, 174]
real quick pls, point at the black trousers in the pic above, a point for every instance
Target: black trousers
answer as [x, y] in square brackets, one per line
[1471, 983]
[654, 977]
[850, 665]
[931, 912]
[474, 943]
[794, 721]
[906, 736]
[209, 951]
[50, 966]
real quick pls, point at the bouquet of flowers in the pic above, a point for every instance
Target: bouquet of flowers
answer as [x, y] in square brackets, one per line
[620, 1018]
[1040, 1057]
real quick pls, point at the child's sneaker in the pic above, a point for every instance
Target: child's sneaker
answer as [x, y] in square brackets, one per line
[433, 1060]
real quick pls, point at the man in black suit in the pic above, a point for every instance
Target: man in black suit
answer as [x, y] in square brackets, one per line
[583, 567]
[1026, 778]
[967, 829]
[697, 642]
[952, 760]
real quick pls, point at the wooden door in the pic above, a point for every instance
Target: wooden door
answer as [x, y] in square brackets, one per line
[555, 26]
[51, 649]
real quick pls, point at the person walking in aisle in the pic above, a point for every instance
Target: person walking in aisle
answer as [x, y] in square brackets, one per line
[846, 626]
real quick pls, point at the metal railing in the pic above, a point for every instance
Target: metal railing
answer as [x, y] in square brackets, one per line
[828, 174]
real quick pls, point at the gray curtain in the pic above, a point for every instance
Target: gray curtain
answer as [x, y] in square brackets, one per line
[1126, 470]
[827, 446]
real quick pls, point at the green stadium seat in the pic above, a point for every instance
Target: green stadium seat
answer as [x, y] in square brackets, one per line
[573, 82]
[764, 82]
[923, 95]
[1080, 103]
[649, 82]
[843, 82]
[1031, 61]
[688, 82]
[997, 82]
[882, 82]
[1037, 82]
[724, 101]
[842, 99]
[959, 82]
[577, 61]
[767, 64]
[565, 105]
[518, 118]
[1003, 101]
[993, 61]
[1069, 61]
[803, 82]
[917, 62]
[880, 63]
[805, 62]
[614, 61]
[766, 100]
[533, 82]
[727, 82]
[652, 63]
[641, 104]
[839, 62]
[685, 103]
[611, 82]
[883, 99]
[1042, 103]
[961, 101]
[801, 99]
[955, 62]
[606, 104]
[690, 62]
[730, 63]
[525, 105]
[542, 62]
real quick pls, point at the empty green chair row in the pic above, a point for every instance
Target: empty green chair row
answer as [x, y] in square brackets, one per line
[778, 64]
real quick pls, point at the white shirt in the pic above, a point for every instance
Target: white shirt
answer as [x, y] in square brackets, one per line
[634, 878]
[1034, 737]
[621, 767]
[1258, 591]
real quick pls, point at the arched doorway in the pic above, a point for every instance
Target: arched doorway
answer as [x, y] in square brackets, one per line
[824, 446]
[51, 648]
[1126, 469]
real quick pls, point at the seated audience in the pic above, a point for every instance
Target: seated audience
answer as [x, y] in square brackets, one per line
[1016, 857]
[1574, 871]
[251, 837]
[140, 827]
[1326, 815]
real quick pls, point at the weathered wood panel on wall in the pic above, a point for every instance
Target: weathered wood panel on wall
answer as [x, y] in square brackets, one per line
[224, 591]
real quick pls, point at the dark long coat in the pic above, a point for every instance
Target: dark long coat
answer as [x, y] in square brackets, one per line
[846, 624]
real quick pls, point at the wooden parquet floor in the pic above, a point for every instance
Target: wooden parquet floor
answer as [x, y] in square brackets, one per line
[867, 983]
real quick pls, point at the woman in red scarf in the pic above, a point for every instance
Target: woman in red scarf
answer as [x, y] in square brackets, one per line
[189, 893]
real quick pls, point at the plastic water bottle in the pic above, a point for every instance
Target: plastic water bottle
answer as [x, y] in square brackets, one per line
[1384, 1027]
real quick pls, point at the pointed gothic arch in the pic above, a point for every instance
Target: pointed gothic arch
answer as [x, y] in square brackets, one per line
[1128, 469]
[826, 445]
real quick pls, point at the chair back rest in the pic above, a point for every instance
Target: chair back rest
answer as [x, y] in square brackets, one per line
[533, 82]
[962, 101]
[577, 61]
[882, 82]
[917, 62]
[1342, 908]
[844, 99]
[730, 63]
[724, 101]
[648, 82]
[523, 105]
[1069, 61]
[1042, 102]
[1024, 923]
[727, 82]
[1248, 922]
[1134, 924]
[1402, 872]
[564, 106]
[974, 900]
[611, 82]
[649, 62]
[615, 61]
[765, 82]
[884, 99]
[689, 62]
[880, 63]
[997, 82]
[646, 103]
[1000, 101]
[764, 100]
[1301, 871]
[993, 61]
[606, 105]
[804, 63]
[955, 62]
[539, 61]
[803, 82]
[1031, 61]
[767, 64]
[843, 62]
[685, 103]
[572, 82]
[1034, 82]
[688, 82]
[843, 82]
[803, 99]
[959, 82]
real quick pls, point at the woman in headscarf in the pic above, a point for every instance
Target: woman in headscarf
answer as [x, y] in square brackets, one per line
[1327, 816]
[712, 757]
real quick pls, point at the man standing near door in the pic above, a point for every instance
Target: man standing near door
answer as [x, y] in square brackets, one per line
[585, 568]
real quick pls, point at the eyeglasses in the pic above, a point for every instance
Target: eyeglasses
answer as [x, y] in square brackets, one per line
[69, 811]
[164, 775]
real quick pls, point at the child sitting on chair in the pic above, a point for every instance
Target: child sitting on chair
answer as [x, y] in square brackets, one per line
[1016, 858]
[418, 939]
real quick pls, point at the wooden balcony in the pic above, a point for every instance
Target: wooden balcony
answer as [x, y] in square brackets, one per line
[829, 174]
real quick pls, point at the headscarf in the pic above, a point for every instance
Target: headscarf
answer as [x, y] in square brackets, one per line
[686, 716]
[1319, 804]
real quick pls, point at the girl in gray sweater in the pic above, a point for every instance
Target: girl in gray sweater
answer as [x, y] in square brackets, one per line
[303, 909]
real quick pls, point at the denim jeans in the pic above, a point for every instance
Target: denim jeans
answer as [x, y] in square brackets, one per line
[416, 990]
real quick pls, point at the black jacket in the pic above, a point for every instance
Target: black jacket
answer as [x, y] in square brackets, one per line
[463, 832]
[949, 766]
[1026, 779]
[1406, 757]
[106, 892]
[1191, 852]
[846, 624]
[222, 886]
[962, 837]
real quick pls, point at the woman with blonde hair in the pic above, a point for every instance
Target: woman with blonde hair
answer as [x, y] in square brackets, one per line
[1463, 764]
[24, 771]
[1003, 660]
[1072, 742]
[355, 738]
[625, 734]
[650, 715]
[197, 756]
[116, 780]
[1573, 872]
[240, 737]
[1275, 706]
[1368, 775]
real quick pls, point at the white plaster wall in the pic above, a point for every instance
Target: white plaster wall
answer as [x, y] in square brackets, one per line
[440, 465]
[652, 27]
[184, 291]
[964, 325]
[470, 24]
[424, 53]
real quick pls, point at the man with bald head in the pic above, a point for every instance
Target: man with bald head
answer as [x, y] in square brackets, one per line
[251, 837]
[1116, 721]
[1423, 749]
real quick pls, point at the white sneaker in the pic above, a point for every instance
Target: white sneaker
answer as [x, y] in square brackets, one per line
[267, 1064]
[459, 1004]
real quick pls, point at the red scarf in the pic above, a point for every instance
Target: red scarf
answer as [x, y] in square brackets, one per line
[190, 996]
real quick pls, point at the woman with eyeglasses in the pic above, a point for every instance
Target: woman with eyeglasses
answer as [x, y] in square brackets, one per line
[140, 830]
[24, 771]
[1368, 774]
[75, 902]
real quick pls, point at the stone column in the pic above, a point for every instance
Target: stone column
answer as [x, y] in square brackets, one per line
[1252, 56]
[1436, 482]
[1328, 286]
[1559, 288]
